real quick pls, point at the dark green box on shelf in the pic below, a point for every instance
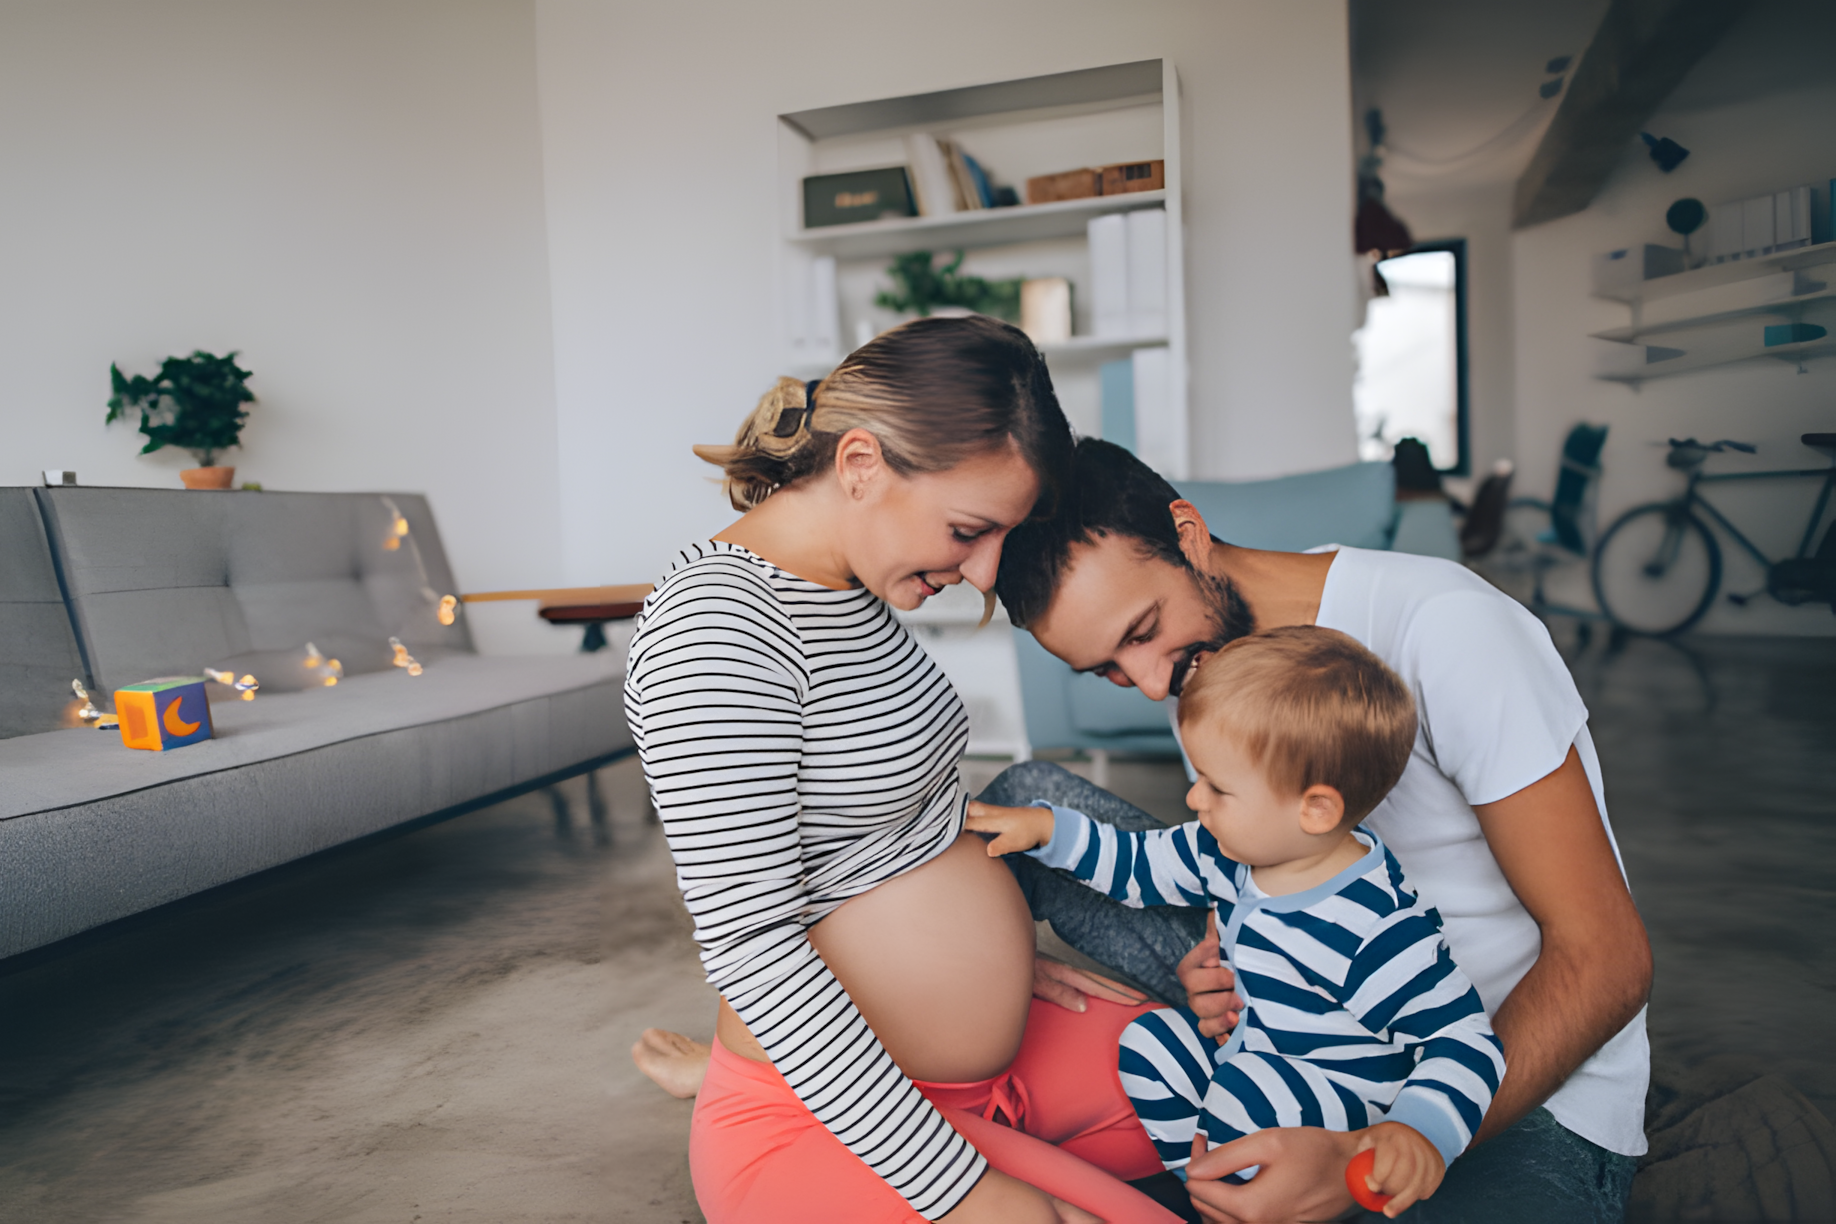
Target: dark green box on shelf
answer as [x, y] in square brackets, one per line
[859, 195]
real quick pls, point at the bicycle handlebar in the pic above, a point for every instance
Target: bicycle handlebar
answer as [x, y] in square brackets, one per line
[1726, 444]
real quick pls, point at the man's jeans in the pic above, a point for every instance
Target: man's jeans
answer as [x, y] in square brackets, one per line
[1537, 1171]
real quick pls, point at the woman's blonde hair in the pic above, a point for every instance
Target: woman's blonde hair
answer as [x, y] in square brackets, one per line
[933, 391]
[1309, 706]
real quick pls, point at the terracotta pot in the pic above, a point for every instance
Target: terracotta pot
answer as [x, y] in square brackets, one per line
[208, 477]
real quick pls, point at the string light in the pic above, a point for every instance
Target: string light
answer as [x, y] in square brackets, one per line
[88, 713]
[246, 687]
[403, 659]
[449, 610]
[398, 530]
[330, 670]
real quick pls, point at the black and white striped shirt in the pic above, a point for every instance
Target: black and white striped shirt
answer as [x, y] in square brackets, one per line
[801, 748]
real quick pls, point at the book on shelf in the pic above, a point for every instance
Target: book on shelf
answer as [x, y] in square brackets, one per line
[1762, 225]
[1147, 272]
[1128, 274]
[931, 176]
[857, 195]
[968, 198]
[1108, 236]
[984, 188]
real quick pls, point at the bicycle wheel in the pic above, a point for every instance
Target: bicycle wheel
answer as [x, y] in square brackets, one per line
[1656, 570]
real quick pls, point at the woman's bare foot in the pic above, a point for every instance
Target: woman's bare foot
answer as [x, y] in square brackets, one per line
[677, 1064]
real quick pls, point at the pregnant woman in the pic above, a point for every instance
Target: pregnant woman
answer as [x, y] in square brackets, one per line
[878, 1056]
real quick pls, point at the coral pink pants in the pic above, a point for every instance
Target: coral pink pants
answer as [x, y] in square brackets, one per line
[1056, 1119]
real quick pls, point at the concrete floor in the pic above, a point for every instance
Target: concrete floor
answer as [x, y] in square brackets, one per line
[434, 1027]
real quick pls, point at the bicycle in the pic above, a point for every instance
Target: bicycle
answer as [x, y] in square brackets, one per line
[1659, 557]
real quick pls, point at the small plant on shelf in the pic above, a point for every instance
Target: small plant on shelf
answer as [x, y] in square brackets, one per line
[195, 403]
[920, 286]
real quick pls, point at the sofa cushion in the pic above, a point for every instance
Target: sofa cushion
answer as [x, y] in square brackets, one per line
[170, 581]
[65, 768]
[93, 831]
[38, 650]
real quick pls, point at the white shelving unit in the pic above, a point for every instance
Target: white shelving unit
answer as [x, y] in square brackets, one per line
[1016, 129]
[1719, 314]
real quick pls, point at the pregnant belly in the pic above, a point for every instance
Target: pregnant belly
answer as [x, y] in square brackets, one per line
[939, 961]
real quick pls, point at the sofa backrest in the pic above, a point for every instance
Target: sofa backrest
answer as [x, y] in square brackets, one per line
[1354, 505]
[38, 650]
[169, 581]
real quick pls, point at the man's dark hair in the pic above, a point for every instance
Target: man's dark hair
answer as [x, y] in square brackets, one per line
[1110, 493]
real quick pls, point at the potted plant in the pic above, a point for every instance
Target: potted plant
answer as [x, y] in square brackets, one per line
[195, 403]
[924, 288]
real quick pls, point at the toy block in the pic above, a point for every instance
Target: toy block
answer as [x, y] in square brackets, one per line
[166, 713]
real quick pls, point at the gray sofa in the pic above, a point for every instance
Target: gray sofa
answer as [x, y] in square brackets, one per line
[122, 585]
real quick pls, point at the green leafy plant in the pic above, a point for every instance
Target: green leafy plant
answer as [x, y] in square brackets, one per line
[195, 403]
[921, 286]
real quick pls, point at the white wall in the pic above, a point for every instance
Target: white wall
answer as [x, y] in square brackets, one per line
[1737, 149]
[348, 192]
[660, 155]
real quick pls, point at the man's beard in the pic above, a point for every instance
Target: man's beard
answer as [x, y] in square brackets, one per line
[1231, 619]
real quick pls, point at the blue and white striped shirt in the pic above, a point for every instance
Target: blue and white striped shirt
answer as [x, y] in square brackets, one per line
[1351, 975]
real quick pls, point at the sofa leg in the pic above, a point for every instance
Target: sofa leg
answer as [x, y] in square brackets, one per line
[564, 822]
[596, 807]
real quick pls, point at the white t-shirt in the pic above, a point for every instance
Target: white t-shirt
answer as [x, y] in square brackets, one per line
[1498, 711]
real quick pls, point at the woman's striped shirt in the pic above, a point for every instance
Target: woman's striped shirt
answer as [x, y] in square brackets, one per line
[801, 748]
[1351, 975]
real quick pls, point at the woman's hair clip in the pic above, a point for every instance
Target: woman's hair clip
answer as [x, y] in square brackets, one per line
[793, 421]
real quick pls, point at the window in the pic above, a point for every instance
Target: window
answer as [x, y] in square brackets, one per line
[1412, 358]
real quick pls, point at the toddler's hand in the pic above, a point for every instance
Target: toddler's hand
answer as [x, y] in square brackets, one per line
[1015, 828]
[1407, 1166]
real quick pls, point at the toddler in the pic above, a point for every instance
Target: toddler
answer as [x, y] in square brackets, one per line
[1355, 1017]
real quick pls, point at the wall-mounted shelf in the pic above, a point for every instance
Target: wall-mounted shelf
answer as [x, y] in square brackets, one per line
[1725, 273]
[1717, 354]
[1717, 315]
[1783, 306]
[964, 230]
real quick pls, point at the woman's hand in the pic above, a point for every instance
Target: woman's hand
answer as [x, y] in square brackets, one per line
[1056, 982]
[1000, 1199]
[1014, 828]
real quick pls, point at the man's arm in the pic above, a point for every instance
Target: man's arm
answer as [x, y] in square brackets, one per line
[1594, 970]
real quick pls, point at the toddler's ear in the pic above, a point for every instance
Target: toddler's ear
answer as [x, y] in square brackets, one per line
[1322, 807]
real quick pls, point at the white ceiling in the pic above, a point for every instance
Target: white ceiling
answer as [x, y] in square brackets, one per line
[1457, 82]
[1457, 79]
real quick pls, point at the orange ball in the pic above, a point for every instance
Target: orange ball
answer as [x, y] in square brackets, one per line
[1356, 1172]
